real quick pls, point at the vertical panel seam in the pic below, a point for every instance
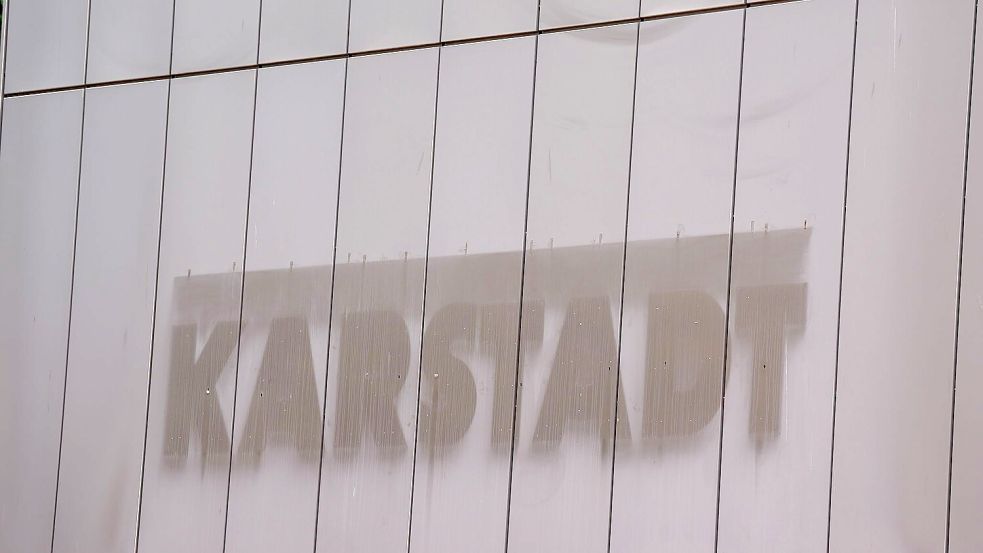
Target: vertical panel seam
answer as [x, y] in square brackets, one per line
[959, 274]
[242, 293]
[153, 332]
[423, 307]
[334, 264]
[242, 285]
[71, 293]
[839, 304]
[153, 327]
[170, 59]
[348, 32]
[68, 337]
[730, 274]
[259, 32]
[88, 29]
[522, 281]
[259, 35]
[624, 272]
[5, 14]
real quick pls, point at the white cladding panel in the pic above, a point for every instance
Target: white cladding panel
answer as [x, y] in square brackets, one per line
[481, 161]
[39, 171]
[211, 34]
[376, 317]
[112, 318]
[791, 174]
[297, 29]
[129, 39]
[578, 184]
[47, 48]
[276, 438]
[900, 267]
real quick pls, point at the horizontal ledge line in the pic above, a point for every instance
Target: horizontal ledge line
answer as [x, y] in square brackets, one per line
[455, 42]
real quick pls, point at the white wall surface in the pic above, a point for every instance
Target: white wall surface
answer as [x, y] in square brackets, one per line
[674, 274]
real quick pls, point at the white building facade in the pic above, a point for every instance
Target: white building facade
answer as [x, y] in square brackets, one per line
[490, 275]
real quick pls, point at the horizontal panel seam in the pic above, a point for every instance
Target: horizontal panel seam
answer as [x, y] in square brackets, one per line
[441, 43]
